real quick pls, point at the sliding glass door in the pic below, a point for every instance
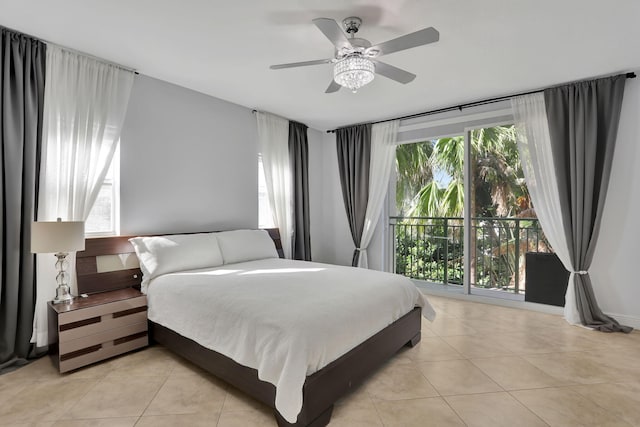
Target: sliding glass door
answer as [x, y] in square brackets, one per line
[464, 215]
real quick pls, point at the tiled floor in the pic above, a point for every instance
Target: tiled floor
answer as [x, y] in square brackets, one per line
[477, 365]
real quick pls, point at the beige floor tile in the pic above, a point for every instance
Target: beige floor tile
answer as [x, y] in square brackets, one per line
[565, 407]
[457, 377]
[95, 371]
[246, 419]
[443, 327]
[426, 328]
[417, 413]
[615, 340]
[116, 397]
[38, 370]
[182, 366]
[357, 396]
[433, 349]
[488, 327]
[190, 420]
[399, 381]
[493, 410]
[477, 346]
[150, 362]
[188, 394]
[575, 367]
[43, 400]
[100, 422]
[28, 424]
[355, 413]
[622, 400]
[402, 356]
[568, 339]
[526, 343]
[13, 387]
[237, 400]
[515, 373]
[622, 363]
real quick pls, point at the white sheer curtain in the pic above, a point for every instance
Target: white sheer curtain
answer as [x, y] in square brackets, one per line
[273, 143]
[534, 146]
[383, 149]
[85, 103]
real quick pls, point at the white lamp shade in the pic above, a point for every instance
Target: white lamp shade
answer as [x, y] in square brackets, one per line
[58, 236]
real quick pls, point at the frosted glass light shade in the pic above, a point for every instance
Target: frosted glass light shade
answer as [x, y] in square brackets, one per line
[58, 236]
[353, 72]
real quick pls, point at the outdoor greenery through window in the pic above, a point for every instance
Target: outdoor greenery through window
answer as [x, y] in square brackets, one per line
[430, 201]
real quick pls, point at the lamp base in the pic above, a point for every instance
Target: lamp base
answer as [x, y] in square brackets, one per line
[63, 291]
[63, 295]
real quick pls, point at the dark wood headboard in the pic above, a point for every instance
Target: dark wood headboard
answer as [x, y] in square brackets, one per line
[90, 280]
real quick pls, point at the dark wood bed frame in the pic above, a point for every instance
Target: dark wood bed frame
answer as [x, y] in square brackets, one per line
[321, 389]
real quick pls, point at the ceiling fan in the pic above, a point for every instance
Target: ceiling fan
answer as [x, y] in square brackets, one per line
[355, 62]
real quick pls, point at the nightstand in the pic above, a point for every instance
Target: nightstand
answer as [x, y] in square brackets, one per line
[97, 327]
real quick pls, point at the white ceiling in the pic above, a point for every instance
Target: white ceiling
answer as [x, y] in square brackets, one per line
[224, 48]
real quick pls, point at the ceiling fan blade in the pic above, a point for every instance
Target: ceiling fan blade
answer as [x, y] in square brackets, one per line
[333, 87]
[394, 73]
[418, 38]
[334, 33]
[300, 64]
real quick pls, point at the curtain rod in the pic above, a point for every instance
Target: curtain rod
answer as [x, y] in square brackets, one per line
[79, 52]
[115, 64]
[466, 105]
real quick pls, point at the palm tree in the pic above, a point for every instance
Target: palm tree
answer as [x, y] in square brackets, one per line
[413, 171]
[498, 181]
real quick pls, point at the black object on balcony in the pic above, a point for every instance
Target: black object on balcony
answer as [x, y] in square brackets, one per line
[546, 279]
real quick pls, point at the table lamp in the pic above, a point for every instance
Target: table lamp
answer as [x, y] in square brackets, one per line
[59, 237]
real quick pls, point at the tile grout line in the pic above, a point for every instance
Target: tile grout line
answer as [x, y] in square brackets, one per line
[155, 395]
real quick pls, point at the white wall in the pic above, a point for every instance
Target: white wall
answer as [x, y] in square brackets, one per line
[331, 241]
[614, 270]
[188, 162]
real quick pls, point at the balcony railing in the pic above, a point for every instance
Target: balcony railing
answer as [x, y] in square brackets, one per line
[432, 249]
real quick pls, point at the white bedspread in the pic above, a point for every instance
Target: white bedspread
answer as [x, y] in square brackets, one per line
[287, 319]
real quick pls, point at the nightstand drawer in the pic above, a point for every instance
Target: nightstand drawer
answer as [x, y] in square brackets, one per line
[115, 308]
[111, 335]
[101, 352]
[97, 324]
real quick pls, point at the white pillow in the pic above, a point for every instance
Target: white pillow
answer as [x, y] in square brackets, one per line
[167, 254]
[246, 245]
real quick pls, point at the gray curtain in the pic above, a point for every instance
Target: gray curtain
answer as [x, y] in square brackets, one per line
[22, 73]
[354, 153]
[299, 158]
[583, 124]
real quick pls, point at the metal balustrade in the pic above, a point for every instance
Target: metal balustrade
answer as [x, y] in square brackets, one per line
[432, 249]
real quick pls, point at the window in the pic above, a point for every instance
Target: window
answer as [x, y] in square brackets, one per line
[104, 218]
[265, 218]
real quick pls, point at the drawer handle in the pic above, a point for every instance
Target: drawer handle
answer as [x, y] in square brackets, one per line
[81, 352]
[129, 311]
[79, 323]
[129, 338]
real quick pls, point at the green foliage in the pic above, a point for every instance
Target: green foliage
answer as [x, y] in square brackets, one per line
[497, 177]
[431, 248]
[423, 252]
[414, 172]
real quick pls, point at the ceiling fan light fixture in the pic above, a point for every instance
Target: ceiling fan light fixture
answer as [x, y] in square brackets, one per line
[353, 72]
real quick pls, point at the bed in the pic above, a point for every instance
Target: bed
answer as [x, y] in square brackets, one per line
[312, 366]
